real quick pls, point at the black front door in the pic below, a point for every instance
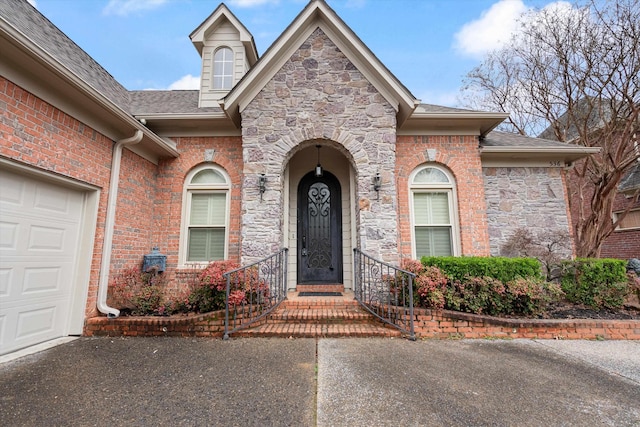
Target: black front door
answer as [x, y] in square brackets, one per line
[319, 229]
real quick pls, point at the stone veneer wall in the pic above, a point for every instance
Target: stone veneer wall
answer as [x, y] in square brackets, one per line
[529, 197]
[318, 95]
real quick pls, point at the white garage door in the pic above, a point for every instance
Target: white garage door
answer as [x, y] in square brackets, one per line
[39, 240]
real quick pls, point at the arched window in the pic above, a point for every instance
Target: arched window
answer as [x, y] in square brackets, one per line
[435, 228]
[206, 212]
[223, 68]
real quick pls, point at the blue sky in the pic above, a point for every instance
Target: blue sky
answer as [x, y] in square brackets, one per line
[428, 44]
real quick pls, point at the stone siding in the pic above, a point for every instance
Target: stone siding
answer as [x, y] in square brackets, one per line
[525, 197]
[318, 94]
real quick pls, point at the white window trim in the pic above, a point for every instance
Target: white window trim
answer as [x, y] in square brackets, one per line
[189, 189]
[449, 188]
[213, 69]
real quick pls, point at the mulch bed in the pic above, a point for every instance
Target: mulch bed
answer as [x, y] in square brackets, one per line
[575, 311]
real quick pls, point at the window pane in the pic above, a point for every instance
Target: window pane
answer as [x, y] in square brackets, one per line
[631, 220]
[206, 244]
[208, 209]
[431, 176]
[433, 241]
[208, 176]
[431, 208]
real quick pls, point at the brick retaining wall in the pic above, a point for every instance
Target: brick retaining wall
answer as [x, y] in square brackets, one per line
[428, 324]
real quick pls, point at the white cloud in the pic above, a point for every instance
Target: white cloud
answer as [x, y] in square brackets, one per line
[494, 28]
[33, 3]
[251, 3]
[187, 82]
[127, 7]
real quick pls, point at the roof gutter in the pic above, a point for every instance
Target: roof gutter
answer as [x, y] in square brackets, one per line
[109, 225]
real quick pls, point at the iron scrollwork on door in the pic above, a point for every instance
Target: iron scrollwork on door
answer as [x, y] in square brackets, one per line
[319, 247]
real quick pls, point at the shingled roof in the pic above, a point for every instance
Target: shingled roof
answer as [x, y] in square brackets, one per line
[166, 102]
[33, 25]
[507, 139]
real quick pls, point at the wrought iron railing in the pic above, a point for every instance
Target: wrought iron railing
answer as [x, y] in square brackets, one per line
[385, 291]
[254, 291]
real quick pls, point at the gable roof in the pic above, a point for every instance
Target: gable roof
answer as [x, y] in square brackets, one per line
[199, 35]
[317, 14]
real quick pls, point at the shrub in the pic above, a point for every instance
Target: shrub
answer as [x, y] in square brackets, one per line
[430, 285]
[210, 291]
[529, 296]
[500, 268]
[139, 293]
[598, 283]
[479, 295]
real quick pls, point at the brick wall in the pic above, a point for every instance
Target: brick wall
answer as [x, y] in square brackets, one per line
[623, 244]
[225, 152]
[460, 154]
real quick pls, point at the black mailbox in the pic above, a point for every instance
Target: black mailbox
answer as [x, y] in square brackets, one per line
[154, 261]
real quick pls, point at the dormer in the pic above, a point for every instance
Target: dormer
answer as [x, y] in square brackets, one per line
[227, 50]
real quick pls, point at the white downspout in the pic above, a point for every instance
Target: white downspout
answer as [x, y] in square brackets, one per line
[109, 224]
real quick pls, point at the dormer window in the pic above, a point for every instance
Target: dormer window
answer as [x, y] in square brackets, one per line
[223, 69]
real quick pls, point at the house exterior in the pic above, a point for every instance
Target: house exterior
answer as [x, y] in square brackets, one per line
[314, 146]
[624, 240]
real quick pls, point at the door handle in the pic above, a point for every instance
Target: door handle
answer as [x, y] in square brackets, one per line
[304, 246]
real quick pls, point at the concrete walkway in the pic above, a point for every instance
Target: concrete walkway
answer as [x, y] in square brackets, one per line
[326, 382]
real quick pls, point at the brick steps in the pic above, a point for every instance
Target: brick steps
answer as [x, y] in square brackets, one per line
[313, 317]
[315, 330]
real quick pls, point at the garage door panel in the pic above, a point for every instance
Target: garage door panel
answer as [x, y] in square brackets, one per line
[9, 235]
[46, 238]
[28, 236]
[37, 322]
[13, 189]
[24, 280]
[49, 199]
[6, 277]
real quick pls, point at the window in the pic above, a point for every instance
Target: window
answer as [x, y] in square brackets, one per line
[434, 213]
[205, 215]
[630, 221]
[223, 68]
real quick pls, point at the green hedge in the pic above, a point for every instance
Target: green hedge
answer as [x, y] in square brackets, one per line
[500, 268]
[598, 283]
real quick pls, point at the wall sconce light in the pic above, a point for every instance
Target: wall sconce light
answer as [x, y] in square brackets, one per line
[262, 185]
[377, 183]
[318, 166]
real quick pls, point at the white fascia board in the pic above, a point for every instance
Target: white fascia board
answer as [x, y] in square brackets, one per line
[554, 156]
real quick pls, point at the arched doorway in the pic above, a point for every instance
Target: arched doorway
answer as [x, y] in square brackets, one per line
[319, 253]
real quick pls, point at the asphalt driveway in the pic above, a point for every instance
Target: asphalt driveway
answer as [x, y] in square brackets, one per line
[326, 382]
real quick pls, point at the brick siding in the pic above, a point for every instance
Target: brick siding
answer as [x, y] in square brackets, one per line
[461, 156]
